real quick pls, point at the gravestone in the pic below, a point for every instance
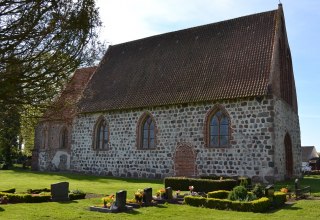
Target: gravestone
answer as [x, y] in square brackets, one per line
[147, 196]
[60, 191]
[121, 198]
[169, 193]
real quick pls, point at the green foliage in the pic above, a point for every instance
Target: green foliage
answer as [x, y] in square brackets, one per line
[26, 198]
[37, 191]
[279, 199]
[220, 194]
[259, 205]
[238, 193]
[12, 190]
[76, 196]
[200, 185]
[197, 201]
[214, 203]
[258, 190]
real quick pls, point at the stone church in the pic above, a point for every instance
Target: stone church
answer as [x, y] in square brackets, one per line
[217, 99]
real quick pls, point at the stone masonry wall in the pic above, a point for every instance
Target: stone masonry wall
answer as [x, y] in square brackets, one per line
[286, 121]
[250, 152]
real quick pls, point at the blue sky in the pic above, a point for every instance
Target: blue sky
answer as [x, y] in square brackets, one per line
[126, 20]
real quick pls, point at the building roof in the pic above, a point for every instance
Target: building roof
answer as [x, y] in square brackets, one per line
[307, 153]
[224, 60]
[64, 107]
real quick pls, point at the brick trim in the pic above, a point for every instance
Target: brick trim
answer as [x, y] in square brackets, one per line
[184, 146]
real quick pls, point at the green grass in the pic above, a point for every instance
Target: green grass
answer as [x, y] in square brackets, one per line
[22, 180]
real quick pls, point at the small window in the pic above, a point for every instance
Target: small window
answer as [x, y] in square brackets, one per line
[64, 138]
[146, 136]
[217, 129]
[101, 135]
[44, 138]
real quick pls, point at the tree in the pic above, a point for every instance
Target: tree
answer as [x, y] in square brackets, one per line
[41, 43]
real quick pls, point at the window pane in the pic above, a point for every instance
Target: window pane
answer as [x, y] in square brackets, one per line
[151, 134]
[223, 140]
[145, 134]
[214, 130]
[218, 114]
[214, 141]
[224, 130]
[151, 125]
[224, 121]
[106, 136]
[145, 143]
[145, 126]
[214, 121]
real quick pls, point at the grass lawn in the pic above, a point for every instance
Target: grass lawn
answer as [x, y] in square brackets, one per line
[23, 180]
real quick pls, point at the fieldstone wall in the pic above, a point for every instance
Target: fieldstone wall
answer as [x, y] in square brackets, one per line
[286, 122]
[251, 151]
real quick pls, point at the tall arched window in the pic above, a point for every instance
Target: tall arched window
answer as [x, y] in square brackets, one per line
[217, 128]
[45, 137]
[146, 132]
[64, 138]
[101, 139]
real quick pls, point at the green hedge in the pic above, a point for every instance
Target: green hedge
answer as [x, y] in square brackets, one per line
[37, 191]
[76, 196]
[26, 198]
[13, 190]
[220, 194]
[200, 185]
[259, 205]
[279, 198]
[195, 200]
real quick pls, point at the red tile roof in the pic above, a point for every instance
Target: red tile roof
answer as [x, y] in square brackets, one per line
[64, 107]
[224, 60]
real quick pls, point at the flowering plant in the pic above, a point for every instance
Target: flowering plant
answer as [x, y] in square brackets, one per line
[191, 188]
[284, 190]
[138, 195]
[160, 192]
[108, 201]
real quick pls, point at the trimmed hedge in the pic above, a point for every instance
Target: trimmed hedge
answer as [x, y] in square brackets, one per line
[259, 205]
[37, 191]
[195, 201]
[279, 198]
[220, 194]
[13, 190]
[76, 196]
[200, 185]
[26, 198]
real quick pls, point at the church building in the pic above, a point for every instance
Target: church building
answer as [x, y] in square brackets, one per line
[217, 99]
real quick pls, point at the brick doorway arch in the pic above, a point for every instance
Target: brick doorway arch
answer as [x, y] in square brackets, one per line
[185, 160]
[288, 155]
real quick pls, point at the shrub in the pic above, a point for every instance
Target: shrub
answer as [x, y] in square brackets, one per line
[37, 191]
[26, 198]
[200, 185]
[195, 201]
[220, 194]
[244, 181]
[214, 203]
[73, 196]
[279, 199]
[258, 190]
[13, 190]
[238, 193]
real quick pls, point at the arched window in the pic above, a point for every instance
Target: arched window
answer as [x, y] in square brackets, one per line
[148, 133]
[44, 138]
[146, 136]
[218, 129]
[101, 139]
[64, 138]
